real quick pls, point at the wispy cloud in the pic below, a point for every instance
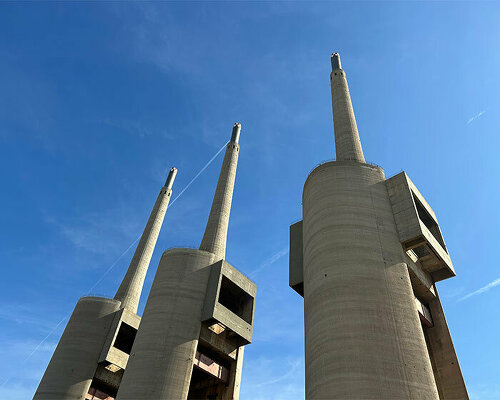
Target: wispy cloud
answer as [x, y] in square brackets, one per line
[482, 290]
[100, 233]
[472, 119]
[26, 315]
[293, 366]
[270, 261]
[276, 378]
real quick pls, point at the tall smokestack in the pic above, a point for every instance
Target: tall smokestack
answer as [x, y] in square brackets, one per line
[130, 289]
[214, 238]
[347, 143]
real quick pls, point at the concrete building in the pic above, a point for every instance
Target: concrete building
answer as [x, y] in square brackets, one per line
[90, 358]
[199, 314]
[366, 258]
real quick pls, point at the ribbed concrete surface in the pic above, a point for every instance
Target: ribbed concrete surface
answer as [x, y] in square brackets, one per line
[214, 238]
[130, 289]
[161, 360]
[72, 366]
[347, 143]
[362, 331]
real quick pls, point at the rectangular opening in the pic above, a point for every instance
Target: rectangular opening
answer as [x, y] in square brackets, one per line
[236, 299]
[421, 251]
[428, 221]
[125, 338]
[210, 374]
[424, 312]
[100, 391]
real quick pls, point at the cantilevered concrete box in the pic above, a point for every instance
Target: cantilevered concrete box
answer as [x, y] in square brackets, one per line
[230, 300]
[116, 349]
[418, 228]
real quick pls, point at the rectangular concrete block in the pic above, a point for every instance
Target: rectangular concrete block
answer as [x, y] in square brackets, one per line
[417, 227]
[110, 353]
[295, 272]
[230, 300]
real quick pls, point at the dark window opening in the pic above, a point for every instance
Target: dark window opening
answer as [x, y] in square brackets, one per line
[236, 299]
[100, 391]
[215, 355]
[429, 222]
[125, 338]
[203, 385]
[421, 251]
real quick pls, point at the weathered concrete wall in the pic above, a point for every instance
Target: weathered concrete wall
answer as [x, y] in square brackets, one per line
[447, 373]
[161, 360]
[73, 364]
[130, 289]
[214, 238]
[362, 331]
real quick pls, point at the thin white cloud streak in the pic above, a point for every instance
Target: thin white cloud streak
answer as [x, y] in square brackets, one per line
[475, 117]
[294, 366]
[271, 260]
[277, 378]
[482, 290]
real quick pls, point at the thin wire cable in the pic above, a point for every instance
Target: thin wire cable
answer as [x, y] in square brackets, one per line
[121, 255]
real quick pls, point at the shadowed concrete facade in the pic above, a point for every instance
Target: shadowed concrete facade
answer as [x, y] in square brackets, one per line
[365, 258]
[95, 345]
[198, 316]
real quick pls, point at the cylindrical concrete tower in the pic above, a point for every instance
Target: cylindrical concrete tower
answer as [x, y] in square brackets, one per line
[73, 364]
[363, 334]
[179, 328]
[130, 289]
[95, 321]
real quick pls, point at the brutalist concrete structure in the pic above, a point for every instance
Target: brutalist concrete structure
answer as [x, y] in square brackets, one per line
[366, 258]
[93, 351]
[199, 314]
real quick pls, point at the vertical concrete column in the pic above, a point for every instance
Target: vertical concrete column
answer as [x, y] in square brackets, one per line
[363, 338]
[130, 289]
[161, 360]
[447, 373]
[215, 236]
[347, 143]
[72, 366]
[232, 391]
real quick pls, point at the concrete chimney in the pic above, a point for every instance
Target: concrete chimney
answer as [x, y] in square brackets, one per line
[366, 262]
[214, 238]
[130, 289]
[347, 143]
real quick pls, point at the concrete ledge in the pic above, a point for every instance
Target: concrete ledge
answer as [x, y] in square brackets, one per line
[328, 164]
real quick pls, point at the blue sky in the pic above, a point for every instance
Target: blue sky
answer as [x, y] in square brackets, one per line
[99, 100]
